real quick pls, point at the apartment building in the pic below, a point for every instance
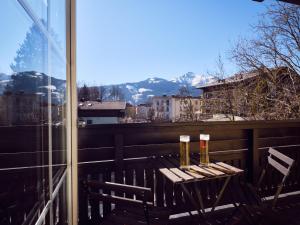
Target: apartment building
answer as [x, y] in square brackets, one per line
[177, 108]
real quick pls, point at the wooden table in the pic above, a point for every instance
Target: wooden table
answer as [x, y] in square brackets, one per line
[169, 167]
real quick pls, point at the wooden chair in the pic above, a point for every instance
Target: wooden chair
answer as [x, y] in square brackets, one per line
[256, 209]
[129, 211]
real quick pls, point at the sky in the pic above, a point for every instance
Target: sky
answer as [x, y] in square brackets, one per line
[131, 40]
[15, 23]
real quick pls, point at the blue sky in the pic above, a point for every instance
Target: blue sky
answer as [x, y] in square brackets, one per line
[131, 40]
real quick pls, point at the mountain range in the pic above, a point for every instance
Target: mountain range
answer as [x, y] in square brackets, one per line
[134, 92]
[142, 91]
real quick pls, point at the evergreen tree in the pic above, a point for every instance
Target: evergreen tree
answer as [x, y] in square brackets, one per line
[31, 54]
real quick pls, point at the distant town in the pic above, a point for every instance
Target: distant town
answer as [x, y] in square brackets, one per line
[264, 94]
[230, 99]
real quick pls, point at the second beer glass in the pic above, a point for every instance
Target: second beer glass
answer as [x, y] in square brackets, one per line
[184, 151]
[204, 158]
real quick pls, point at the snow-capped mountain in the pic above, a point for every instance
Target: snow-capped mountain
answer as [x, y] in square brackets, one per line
[136, 92]
[142, 91]
[4, 80]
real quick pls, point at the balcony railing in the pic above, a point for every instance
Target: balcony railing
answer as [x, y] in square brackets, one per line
[124, 153]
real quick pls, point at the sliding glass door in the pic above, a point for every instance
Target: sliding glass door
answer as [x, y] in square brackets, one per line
[34, 112]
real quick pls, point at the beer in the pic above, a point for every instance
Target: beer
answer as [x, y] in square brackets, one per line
[204, 158]
[184, 151]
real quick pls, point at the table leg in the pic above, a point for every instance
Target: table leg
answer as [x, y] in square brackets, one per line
[192, 200]
[199, 196]
[220, 195]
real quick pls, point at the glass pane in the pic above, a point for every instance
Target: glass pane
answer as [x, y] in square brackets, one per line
[58, 81]
[32, 107]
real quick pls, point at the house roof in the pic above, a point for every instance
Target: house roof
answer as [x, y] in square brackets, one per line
[176, 96]
[289, 1]
[244, 76]
[235, 78]
[107, 105]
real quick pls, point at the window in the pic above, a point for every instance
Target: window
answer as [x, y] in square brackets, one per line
[33, 81]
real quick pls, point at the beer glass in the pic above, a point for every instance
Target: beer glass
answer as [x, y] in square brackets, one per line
[204, 158]
[184, 151]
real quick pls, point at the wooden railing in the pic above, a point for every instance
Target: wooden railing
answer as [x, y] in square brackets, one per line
[124, 153]
[24, 176]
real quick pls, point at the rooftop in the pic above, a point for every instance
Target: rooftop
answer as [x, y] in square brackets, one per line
[107, 105]
[241, 77]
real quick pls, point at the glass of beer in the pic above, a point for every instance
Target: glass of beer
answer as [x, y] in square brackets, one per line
[204, 158]
[184, 151]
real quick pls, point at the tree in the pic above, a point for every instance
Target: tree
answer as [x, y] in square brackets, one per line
[102, 92]
[151, 114]
[94, 93]
[225, 101]
[30, 55]
[275, 55]
[84, 93]
[184, 91]
[116, 93]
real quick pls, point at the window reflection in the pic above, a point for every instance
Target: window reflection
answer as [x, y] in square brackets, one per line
[32, 111]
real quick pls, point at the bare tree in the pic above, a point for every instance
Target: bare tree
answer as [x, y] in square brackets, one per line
[225, 100]
[102, 93]
[184, 91]
[116, 93]
[94, 93]
[151, 114]
[275, 55]
[84, 93]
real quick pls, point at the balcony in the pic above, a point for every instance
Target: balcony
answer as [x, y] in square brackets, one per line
[123, 153]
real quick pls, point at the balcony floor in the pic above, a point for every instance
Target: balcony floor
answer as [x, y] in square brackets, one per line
[288, 208]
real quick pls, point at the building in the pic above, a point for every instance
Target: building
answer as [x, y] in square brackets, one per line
[240, 91]
[95, 112]
[143, 111]
[177, 108]
[27, 109]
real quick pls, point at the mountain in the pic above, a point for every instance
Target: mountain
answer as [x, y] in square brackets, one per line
[142, 91]
[4, 80]
[32, 82]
